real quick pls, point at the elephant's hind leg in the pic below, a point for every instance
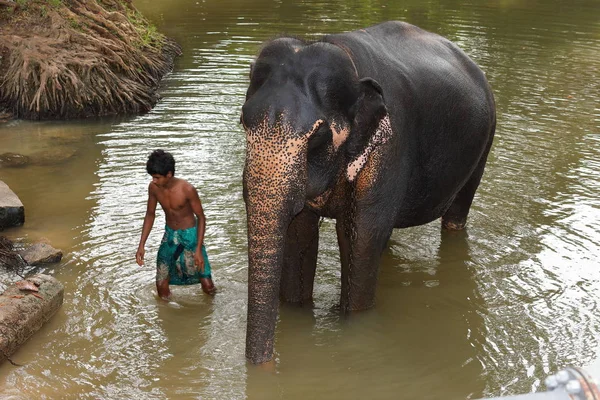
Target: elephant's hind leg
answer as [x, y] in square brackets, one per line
[300, 258]
[455, 217]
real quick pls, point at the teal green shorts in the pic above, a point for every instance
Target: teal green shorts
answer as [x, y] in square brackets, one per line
[175, 260]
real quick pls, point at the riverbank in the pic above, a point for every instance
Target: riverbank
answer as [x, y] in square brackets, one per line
[77, 59]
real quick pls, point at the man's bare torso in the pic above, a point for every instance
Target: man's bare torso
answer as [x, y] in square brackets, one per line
[175, 202]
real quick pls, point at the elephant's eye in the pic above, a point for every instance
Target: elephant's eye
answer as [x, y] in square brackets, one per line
[320, 137]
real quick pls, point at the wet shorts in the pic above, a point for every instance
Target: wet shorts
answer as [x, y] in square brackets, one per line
[175, 260]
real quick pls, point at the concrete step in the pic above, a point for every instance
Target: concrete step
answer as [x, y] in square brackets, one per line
[23, 312]
[12, 212]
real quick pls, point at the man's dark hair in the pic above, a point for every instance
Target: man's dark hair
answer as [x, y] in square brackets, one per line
[160, 162]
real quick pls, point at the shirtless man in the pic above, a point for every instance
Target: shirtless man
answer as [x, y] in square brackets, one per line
[182, 258]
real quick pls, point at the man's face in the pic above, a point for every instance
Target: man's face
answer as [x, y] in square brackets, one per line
[161, 180]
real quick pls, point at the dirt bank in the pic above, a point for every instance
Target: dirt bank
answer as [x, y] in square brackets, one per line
[62, 59]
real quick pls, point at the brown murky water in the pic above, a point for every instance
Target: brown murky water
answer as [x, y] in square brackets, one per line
[491, 311]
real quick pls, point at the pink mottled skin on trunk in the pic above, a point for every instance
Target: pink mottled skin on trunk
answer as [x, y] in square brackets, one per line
[275, 172]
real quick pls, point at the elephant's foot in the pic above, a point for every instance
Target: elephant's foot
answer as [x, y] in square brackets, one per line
[453, 225]
[269, 366]
[356, 310]
[297, 302]
[356, 302]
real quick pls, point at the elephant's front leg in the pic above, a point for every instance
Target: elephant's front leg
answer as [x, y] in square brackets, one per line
[300, 258]
[361, 246]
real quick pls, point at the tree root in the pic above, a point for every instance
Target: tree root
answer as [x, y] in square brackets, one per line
[11, 260]
[84, 59]
[9, 360]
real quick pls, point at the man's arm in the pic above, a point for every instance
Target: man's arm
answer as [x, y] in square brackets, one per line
[199, 212]
[148, 223]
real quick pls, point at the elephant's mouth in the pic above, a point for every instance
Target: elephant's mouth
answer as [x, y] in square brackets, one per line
[320, 201]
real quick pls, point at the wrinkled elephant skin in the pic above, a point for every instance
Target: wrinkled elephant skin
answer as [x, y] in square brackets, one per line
[381, 128]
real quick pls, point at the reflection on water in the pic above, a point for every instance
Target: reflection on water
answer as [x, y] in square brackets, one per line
[489, 311]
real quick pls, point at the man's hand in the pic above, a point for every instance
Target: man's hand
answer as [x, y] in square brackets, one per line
[199, 261]
[139, 256]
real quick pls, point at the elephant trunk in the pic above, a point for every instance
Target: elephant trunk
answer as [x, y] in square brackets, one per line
[268, 219]
[265, 257]
[272, 199]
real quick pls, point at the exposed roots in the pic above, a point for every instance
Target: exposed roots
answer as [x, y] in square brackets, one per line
[9, 259]
[80, 59]
[9, 360]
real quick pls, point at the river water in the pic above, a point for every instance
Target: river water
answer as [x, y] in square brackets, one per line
[489, 311]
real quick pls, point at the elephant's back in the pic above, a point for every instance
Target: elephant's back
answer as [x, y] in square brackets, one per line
[441, 109]
[423, 76]
[402, 56]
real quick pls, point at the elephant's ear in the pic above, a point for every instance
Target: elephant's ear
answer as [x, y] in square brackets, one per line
[251, 70]
[250, 73]
[370, 128]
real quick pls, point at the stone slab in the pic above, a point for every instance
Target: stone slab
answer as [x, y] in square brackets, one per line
[12, 212]
[41, 253]
[22, 313]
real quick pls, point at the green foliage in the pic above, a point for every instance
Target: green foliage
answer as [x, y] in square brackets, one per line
[55, 3]
[75, 24]
[6, 12]
[148, 34]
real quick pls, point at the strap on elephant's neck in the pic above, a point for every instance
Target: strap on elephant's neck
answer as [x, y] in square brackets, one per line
[347, 51]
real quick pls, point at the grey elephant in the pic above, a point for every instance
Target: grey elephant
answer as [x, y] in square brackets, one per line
[381, 128]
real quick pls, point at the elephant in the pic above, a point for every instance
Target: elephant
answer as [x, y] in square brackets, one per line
[379, 128]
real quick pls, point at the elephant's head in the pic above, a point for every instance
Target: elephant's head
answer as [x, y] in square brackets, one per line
[308, 118]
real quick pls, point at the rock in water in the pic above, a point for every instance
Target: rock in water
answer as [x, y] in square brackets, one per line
[12, 212]
[41, 253]
[13, 160]
[23, 314]
[27, 285]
